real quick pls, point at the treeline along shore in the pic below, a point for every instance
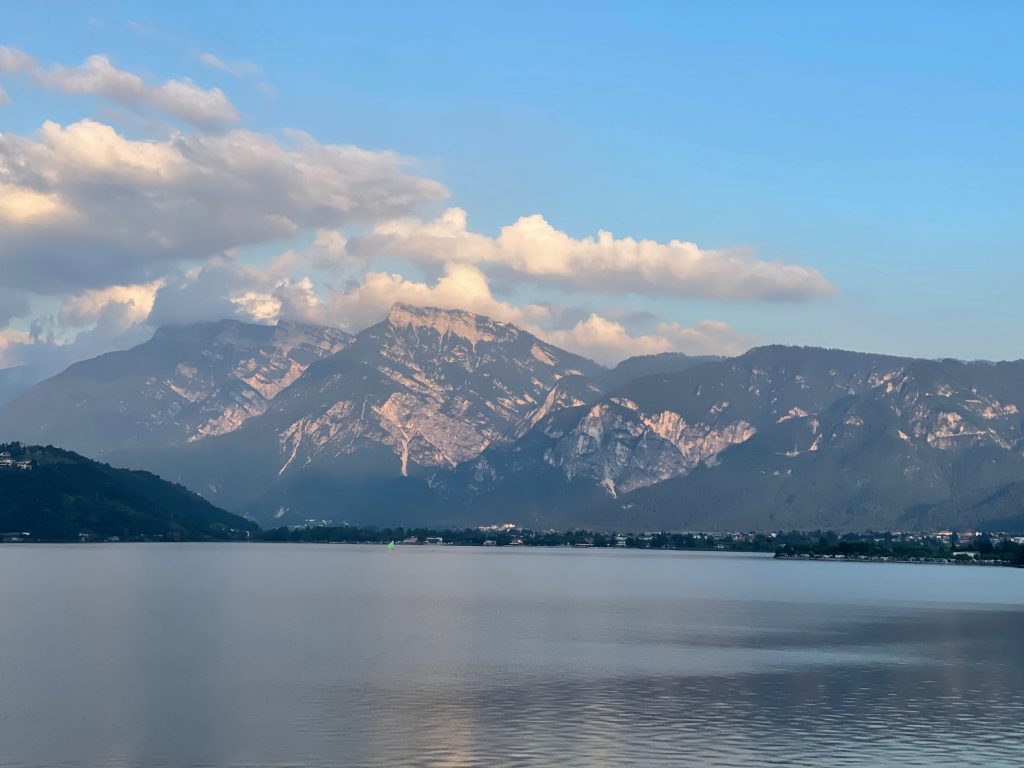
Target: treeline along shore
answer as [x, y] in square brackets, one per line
[941, 547]
[937, 548]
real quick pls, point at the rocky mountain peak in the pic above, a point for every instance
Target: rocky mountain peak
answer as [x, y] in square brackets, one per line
[449, 322]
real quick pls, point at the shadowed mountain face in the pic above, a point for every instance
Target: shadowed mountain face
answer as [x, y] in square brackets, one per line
[655, 428]
[49, 493]
[781, 438]
[184, 385]
[14, 381]
[442, 416]
[931, 445]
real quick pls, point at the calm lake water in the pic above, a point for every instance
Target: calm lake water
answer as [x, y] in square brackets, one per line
[327, 655]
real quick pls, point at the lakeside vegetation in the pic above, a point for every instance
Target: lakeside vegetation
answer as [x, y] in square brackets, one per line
[49, 494]
[886, 546]
[983, 548]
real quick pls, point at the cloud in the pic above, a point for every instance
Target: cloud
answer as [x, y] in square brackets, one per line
[13, 303]
[708, 337]
[12, 342]
[262, 297]
[227, 287]
[534, 250]
[238, 68]
[608, 341]
[203, 293]
[5, 100]
[86, 325]
[462, 286]
[47, 352]
[181, 99]
[140, 28]
[135, 304]
[117, 235]
[285, 299]
[81, 206]
[267, 91]
[15, 62]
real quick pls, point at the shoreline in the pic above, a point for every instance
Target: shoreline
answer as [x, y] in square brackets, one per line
[802, 557]
[901, 560]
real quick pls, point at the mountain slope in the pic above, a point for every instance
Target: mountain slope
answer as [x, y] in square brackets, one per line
[934, 445]
[638, 367]
[58, 495]
[423, 390]
[654, 428]
[16, 380]
[571, 391]
[185, 384]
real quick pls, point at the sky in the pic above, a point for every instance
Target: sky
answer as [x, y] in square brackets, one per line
[619, 178]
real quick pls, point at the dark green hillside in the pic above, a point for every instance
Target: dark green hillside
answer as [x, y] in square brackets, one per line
[61, 495]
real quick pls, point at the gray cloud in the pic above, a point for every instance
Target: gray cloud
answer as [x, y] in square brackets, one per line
[43, 351]
[84, 207]
[13, 303]
[200, 296]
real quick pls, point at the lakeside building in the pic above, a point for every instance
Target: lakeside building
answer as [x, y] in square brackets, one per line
[9, 462]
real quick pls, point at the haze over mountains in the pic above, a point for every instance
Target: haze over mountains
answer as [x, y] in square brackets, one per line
[445, 417]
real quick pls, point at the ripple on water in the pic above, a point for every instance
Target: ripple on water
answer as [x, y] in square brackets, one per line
[247, 656]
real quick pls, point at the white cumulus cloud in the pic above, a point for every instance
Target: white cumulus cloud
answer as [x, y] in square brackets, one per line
[136, 304]
[533, 249]
[113, 235]
[462, 286]
[608, 341]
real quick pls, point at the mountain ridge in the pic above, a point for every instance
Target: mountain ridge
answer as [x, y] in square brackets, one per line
[449, 416]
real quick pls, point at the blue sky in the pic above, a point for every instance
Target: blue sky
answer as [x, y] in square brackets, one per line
[877, 143]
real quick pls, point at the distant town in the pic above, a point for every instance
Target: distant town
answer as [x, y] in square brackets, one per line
[935, 547]
[939, 547]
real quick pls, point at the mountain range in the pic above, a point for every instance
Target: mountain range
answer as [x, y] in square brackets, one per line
[445, 417]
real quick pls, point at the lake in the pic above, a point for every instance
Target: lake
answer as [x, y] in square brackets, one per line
[326, 655]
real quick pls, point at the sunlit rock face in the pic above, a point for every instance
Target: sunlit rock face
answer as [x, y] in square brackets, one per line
[434, 387]
[622, 448]
[652, 428]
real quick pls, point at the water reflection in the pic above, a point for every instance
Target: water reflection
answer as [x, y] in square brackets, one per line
[247, 655]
